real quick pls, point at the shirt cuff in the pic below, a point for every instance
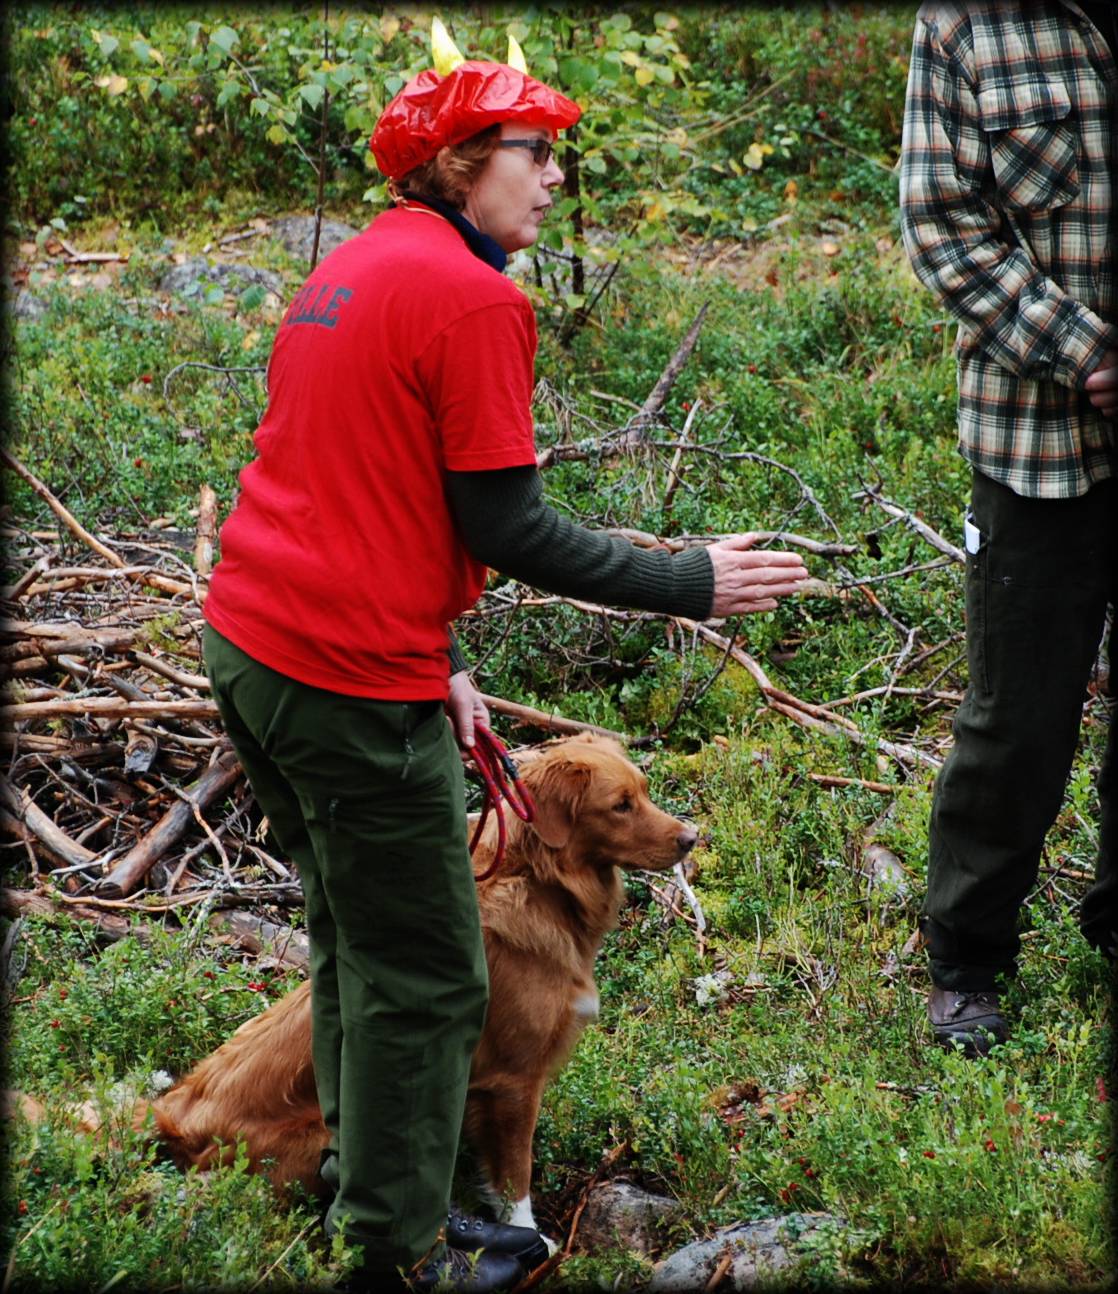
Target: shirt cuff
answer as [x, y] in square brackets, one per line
[458, 662]
[693, 573]
[1081, 346]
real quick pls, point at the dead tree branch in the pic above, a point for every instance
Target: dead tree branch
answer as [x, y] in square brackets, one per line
[930, 536]
[636, 432]
[135, 865]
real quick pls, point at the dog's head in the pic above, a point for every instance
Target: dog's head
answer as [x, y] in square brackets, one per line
[594, 801]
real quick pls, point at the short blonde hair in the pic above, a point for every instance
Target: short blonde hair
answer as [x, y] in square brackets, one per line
[451, 173]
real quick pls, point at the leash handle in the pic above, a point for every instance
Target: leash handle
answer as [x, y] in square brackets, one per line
[503, 785]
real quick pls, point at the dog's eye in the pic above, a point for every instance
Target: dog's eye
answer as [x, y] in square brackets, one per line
[623, 806]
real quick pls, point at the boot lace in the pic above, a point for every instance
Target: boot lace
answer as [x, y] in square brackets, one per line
[963, 1000]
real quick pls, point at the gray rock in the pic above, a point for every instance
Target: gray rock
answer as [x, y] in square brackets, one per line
[757, 1250]
[886, 874]
[296, 233]
[27, 306]
[233, 278]
[619, 1215]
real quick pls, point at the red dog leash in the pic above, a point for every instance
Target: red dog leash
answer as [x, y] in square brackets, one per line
[502, 782]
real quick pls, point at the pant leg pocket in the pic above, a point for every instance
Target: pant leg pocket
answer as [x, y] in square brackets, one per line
[421, 724]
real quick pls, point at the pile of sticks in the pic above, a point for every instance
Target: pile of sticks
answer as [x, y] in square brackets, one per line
[121, 787]
[114, 752]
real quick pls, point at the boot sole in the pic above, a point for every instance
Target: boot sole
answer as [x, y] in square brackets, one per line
[975, 1043]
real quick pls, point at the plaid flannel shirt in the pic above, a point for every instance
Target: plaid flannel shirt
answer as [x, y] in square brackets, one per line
[1007, 193]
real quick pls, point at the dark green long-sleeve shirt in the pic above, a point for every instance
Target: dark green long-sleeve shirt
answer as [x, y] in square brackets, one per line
[505, 522]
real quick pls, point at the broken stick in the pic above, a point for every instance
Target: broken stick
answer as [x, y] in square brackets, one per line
[637, 430]
[135, 865]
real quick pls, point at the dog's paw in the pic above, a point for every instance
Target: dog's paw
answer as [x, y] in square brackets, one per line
[519, 1214]
[552, 1245]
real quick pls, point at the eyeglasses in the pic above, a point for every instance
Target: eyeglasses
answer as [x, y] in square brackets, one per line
[539, 148]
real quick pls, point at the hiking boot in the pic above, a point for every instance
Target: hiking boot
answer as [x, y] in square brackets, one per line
[475, 1271]
[973, 1020]
[464, 1231]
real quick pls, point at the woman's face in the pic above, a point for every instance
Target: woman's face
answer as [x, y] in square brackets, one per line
[511, 196]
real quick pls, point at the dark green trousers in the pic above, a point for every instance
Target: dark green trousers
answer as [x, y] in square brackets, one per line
[1036, 598]
[367, 798]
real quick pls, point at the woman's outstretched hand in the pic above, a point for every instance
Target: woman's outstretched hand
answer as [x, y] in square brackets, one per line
[749, 579]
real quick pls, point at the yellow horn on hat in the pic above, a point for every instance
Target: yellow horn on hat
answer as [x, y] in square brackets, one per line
[516, 56]
[444, 53]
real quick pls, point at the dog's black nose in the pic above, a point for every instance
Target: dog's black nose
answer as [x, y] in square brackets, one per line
[686, 840]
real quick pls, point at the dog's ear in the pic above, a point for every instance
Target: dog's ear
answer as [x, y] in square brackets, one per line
[557, 787]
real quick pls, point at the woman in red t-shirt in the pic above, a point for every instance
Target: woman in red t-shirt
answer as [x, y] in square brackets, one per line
[395, 463]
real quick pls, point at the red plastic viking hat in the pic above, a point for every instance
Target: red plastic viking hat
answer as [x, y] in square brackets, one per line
[458, 97]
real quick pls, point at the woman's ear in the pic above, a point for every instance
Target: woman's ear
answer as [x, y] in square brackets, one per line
[557, 788]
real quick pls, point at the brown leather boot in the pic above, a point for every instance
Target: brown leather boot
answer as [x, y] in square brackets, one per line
[972, 1020]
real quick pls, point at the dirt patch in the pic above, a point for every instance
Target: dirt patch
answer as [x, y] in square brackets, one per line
[771, 264]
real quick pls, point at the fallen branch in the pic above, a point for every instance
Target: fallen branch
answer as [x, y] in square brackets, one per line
[15, 591]
[916, 523]
[74, 577]
[74, 257]
[637, 429]
[63, 514]
[75, 751]
[150, 577]
[251, 933]
[805, 713]
[525, 714]
[802, 715]
[849, 148]
[257, 935]
[681, 886]
[135, 865]
[924, 693]
[167, 670]
[42, 827]
[675, 470]
[206, 531]
[77, 644]
[830, 779]
[718, 1275]
[243, 234]
[677, 543]
[751, 456]
[209, 368]
[108, 707]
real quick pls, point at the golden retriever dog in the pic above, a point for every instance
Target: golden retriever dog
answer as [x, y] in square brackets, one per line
[544, 913]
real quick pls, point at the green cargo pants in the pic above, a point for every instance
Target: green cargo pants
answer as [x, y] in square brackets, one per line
[1037, 591]
[367, 798]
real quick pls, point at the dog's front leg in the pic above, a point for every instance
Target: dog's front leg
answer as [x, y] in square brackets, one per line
[501, 1123]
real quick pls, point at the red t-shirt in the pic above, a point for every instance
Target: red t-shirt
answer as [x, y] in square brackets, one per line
[403, 356]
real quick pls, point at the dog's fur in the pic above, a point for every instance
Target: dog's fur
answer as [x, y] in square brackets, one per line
[544, 914]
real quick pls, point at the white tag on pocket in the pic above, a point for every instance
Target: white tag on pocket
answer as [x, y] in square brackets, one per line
[971, 535]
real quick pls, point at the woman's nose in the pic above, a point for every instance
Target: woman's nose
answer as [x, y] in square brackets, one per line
[552, 174]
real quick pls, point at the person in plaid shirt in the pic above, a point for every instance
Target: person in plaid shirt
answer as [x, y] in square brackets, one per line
[1007, 213]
